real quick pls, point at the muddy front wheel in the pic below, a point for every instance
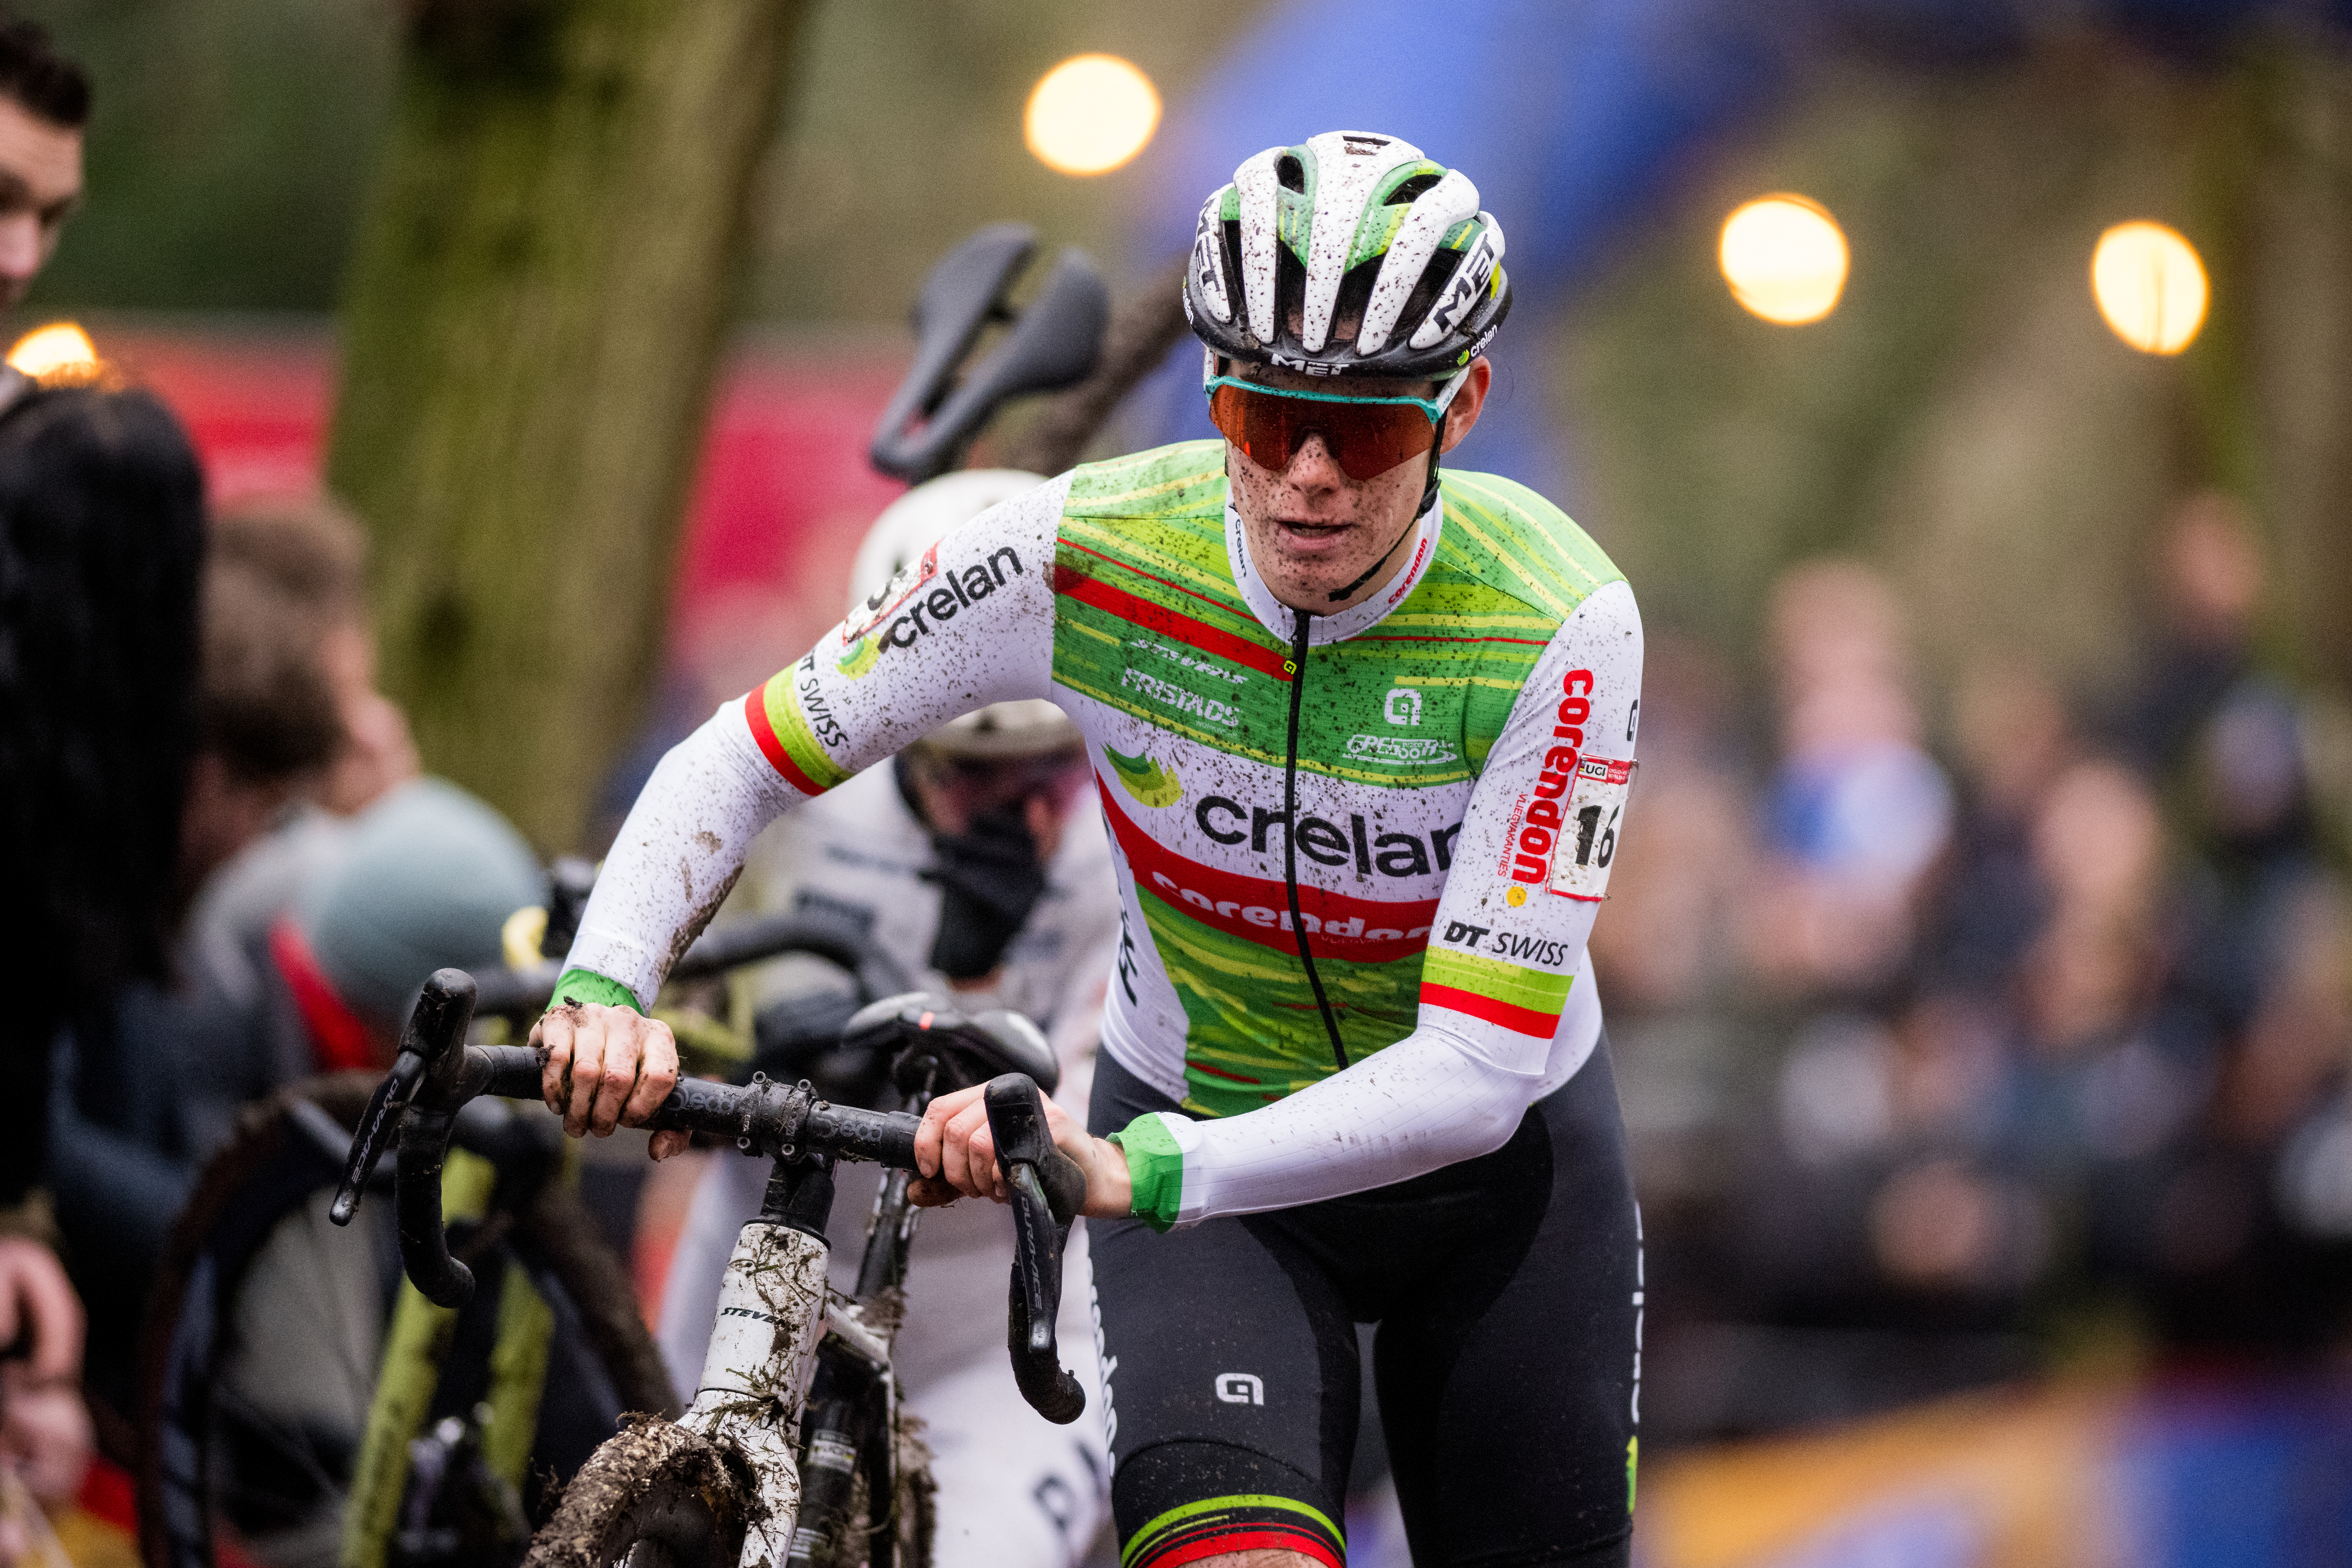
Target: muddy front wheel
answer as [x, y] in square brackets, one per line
[655, 1496]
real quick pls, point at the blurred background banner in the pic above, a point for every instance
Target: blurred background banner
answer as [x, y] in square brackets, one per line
[2183, 1477]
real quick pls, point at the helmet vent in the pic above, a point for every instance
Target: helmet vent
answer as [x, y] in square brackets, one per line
[1423, 298]
[1355, 293]
[1291, 173]
[1411, 191]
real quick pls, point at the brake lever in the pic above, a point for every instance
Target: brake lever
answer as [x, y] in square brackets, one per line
[1047, 1190]
[382, 1117]
[436, 1035]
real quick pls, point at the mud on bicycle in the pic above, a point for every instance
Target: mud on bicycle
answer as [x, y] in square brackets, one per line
[790, 1453]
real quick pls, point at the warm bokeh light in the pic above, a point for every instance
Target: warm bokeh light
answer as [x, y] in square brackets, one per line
[1785, 259]
[1090, 114]
[61, 349]
[2150, 287]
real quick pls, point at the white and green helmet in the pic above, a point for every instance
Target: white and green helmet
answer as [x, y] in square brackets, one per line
[1347, 229]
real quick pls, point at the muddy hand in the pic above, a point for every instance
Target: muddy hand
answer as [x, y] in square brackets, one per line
[607, 1068]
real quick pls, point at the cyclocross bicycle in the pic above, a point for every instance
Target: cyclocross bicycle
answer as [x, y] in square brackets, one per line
[790, 1452]
[291, 1394]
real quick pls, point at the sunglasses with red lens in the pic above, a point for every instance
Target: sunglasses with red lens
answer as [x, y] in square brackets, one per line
[1366, 435]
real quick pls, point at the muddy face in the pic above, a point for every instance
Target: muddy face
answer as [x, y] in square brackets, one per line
[1312, 530]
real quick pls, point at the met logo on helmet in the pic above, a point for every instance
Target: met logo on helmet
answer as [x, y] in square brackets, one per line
[1470, 280]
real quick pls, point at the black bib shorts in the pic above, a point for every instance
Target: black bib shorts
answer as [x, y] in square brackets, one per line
[1507, 1291]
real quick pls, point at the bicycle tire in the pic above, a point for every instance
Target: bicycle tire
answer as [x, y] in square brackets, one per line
[281, 1159]
[912, 1518]
[655, 1495]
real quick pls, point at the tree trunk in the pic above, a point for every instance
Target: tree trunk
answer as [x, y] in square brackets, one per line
[530, 332]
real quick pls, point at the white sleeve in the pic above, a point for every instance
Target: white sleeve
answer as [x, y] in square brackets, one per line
[1507, 1011]
[969, 623]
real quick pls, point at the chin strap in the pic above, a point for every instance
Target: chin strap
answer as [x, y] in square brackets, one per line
[1339, 593]
[1428, 494]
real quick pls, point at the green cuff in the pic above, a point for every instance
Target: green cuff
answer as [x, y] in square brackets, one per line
[1155, 1169]
[587, 985]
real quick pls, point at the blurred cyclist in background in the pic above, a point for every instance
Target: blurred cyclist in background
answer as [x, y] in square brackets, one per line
[974, 863]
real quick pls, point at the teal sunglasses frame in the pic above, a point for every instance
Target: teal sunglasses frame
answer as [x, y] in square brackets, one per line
[1433, 406]
[1359, 462]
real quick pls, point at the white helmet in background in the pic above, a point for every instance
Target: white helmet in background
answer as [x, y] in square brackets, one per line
[922, 517]
[908, 527]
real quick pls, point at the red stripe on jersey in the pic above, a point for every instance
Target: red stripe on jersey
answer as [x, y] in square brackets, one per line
[1257, 908]
[755, 713]
[1159, 618]
[1518, 1020]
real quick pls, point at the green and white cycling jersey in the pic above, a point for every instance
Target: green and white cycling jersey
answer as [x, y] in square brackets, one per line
[1465, 743]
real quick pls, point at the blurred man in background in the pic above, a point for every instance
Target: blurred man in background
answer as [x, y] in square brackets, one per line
[1856, 812]
[43, 102]
[310, 558]
[977, 862]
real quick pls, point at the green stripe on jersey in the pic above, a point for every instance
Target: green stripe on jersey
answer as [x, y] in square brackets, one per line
[1254, 1032]
[1531, 988]
[783, 706]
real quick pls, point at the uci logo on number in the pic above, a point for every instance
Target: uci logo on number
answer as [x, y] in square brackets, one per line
[1240, 1388]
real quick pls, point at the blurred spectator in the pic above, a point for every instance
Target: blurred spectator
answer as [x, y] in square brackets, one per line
[2209, 585]
[149, 1084]
[148, 1081]
[2240, 1239]
[1856, 812]
[152, 1087]
[315, 556]
[427, 882]
[269, 723]
[313, 559]
[2012, 736]
[43, 102]
[101, 519]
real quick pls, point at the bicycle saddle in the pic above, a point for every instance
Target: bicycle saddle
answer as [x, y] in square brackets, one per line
[1052, 343]
[955, 1049]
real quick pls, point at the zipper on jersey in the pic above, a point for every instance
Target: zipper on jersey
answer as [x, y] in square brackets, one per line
[1299, 620]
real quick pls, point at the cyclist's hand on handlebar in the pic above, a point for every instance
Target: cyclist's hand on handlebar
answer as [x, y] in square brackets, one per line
[607, 1068]
[955, 1156]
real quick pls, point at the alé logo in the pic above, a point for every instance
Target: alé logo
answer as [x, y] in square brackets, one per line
[901, 613]
[1402, 707]
[1145, 779]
